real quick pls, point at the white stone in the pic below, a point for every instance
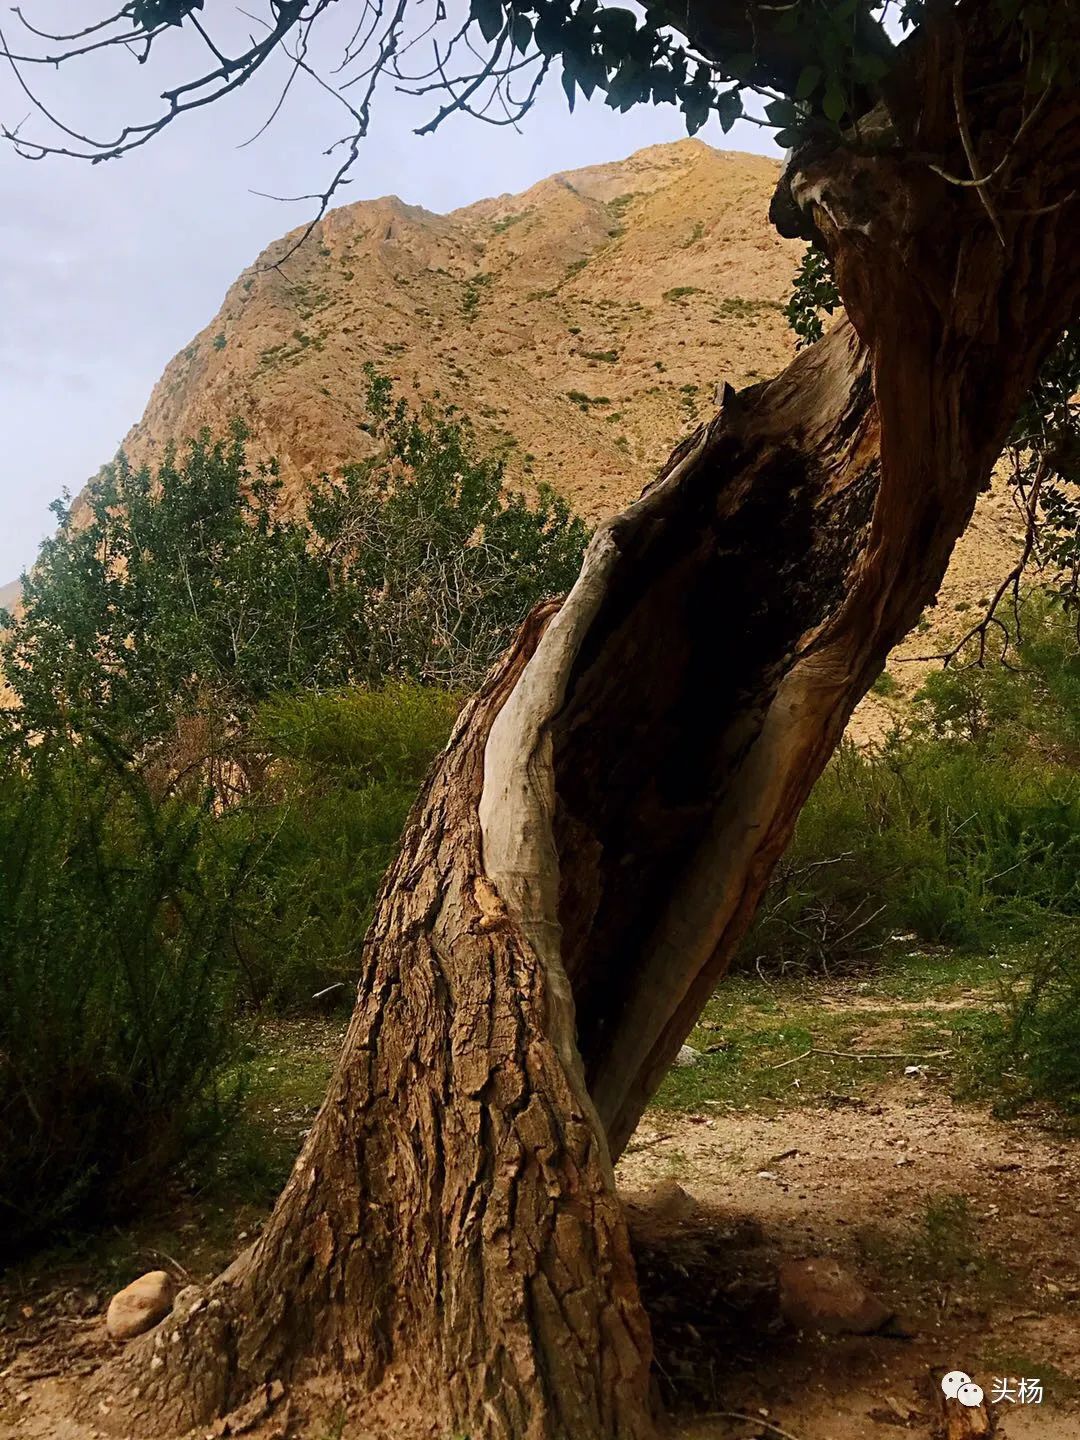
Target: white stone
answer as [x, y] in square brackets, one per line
[140, 1305]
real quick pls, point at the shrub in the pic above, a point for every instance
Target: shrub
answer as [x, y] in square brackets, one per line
[433, 561]
[926, 839]
[177, 594]
[1035, 1053]
[1031, 706]
[116, 987]
[346, 771]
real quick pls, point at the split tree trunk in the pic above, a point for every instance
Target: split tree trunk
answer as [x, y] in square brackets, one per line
[591, 846]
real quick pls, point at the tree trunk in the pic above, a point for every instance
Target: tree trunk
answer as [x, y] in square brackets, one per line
[592, 844]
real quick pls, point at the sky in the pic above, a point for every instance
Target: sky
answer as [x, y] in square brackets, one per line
[106, 271]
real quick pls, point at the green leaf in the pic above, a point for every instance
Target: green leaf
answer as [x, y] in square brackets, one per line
[662, 85]
[695, 106]
[834, 102]
[617, 28]
[729, 107]
[788, 139]
[521, 31]
[548, 33]
[568, 85]
[782, 112]
[488, 14]
[808, 82]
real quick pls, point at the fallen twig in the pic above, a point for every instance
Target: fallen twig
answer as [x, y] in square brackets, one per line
[863, 1055]
[648, 1144]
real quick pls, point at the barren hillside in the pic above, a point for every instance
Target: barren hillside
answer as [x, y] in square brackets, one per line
[583, 325]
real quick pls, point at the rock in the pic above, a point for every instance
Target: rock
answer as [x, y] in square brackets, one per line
[687, 1056]
[669, 1201]
[822, 1295]
[140, 1305]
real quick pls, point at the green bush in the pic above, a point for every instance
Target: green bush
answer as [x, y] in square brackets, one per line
[181, 601]
[928, 839]
[116, 987]
[1033, 1051]
[963, 829]
[346, 771]
[1030, 706]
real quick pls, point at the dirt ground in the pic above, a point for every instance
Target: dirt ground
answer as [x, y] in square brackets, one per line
[965, 1224]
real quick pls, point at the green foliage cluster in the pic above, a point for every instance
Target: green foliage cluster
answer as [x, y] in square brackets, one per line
[171, 595]
[501, 226]
[345, 770]
[583, 401]
[1028, 708]
[193, 594]
[933, 840]
[1035, 1052]
[141, 930]
[813, 293]
[470, 300]
[117, 985]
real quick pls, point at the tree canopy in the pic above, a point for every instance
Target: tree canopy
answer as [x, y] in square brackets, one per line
[195, 589]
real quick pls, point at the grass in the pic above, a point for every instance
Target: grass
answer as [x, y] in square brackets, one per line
[679, 292]
[938, 1257]
[203, 1216]
[287, 1068]
[501, 226]
[754, 1037]
[760, 1041]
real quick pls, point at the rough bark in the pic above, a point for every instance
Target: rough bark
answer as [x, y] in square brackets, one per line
[449, 1241]
[591, 846]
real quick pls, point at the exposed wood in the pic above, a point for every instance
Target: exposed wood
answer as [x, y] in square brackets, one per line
[955, 1421]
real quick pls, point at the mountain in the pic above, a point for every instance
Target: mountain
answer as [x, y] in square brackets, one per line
[582, 325]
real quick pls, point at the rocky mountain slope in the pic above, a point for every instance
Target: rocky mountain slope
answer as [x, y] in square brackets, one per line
[583, 326]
